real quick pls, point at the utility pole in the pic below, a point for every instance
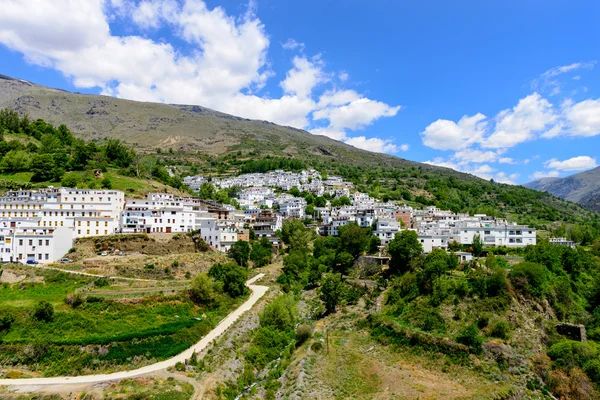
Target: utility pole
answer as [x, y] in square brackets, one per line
[327, 332]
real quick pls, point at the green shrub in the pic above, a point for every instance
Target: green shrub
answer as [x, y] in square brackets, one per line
[316, 346]
[101, 282]
[530, 278]
[303, 333]
[500, 329]
[426, 318]
[43, 311]
[149, 266]
[469, 336]
[6, 322]
[483, 321]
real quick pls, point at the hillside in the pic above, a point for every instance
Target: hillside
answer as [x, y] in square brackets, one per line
[188, 139]
[582, 188]
[184, 128]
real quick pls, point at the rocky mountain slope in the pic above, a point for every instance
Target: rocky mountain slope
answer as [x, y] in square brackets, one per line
[184, 128]
[582, 188]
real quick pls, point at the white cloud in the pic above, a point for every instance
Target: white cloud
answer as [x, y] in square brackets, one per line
[373, 144]
[582, 118]
[506, 160]
[292, 44]
[548, 80]
[151, 13]
[357, 114]
[475, 156]
[531, 115]
[448, 135]
[343, 76]
[404, 147]
[222, 64]
[303, 78]
[544, 174]
[502, 177]
[337, 134]
[572, 164]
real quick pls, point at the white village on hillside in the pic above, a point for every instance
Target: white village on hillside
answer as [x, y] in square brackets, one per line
[40, 226]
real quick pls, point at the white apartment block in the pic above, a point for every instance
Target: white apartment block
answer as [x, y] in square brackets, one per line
[160, 212]
[20, 241]
[492, 234]
[86, 212]
[432, 242]
[386, 230]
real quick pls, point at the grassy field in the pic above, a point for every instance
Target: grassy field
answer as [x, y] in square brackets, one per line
[101, 333]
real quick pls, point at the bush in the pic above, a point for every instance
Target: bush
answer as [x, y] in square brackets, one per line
[317, 346]
[529, 278]
[469, 336]
[6, 321]
[202, 289]
[43, 311]
[483, 321]
[303, 333]
[74, 300]
[101, 282]
[500, 330]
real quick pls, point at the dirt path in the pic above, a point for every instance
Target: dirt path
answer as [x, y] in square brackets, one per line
[68, 271]
[257, 293]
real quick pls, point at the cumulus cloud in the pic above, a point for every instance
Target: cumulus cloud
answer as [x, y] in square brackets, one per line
[544, 174]
[404, 147]
[572, 164]
[533, 114]
[448, 135]
[373, 144]
[583, 118]
[506, 160]
[222, 65]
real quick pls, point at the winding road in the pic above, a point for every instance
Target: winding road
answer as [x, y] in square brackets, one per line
[257, 292]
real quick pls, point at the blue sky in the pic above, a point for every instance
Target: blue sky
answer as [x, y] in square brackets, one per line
[506, 90]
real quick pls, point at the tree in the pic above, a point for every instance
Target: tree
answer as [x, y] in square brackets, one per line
[43, 311]
[331, 291]
[374, 243]
[320, 202]
[106, 183]
[44, 168]
[261, 252]
[202, 289]
[70, 180]
[300, 240]
[454, 246]
[240, 252]
[16, 160]
[354, 239]
[477, 245]
[404, 247]
[233, 277]
[207, 191]
[289, 227]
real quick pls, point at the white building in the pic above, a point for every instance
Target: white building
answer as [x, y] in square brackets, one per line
[386, 230]
[432, 242]
[20, 241]
[160, 212]
[86, 212]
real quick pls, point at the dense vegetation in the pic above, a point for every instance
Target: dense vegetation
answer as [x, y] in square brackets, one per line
[56, 329]
[54, 155]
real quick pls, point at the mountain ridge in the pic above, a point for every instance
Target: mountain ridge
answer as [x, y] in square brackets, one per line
[582, 188]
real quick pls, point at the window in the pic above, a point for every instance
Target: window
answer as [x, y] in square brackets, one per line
[47, 242]
[20, 242]
[47, 256]
[105, 223]
[487, 232]
[97, 223]
[30, 242]
[79, 231]
[88, 231]
[78, 223]
[88, 223]
[40, 242]
[39, 256]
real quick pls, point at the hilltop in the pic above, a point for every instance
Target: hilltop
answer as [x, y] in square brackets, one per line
[582, 188]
